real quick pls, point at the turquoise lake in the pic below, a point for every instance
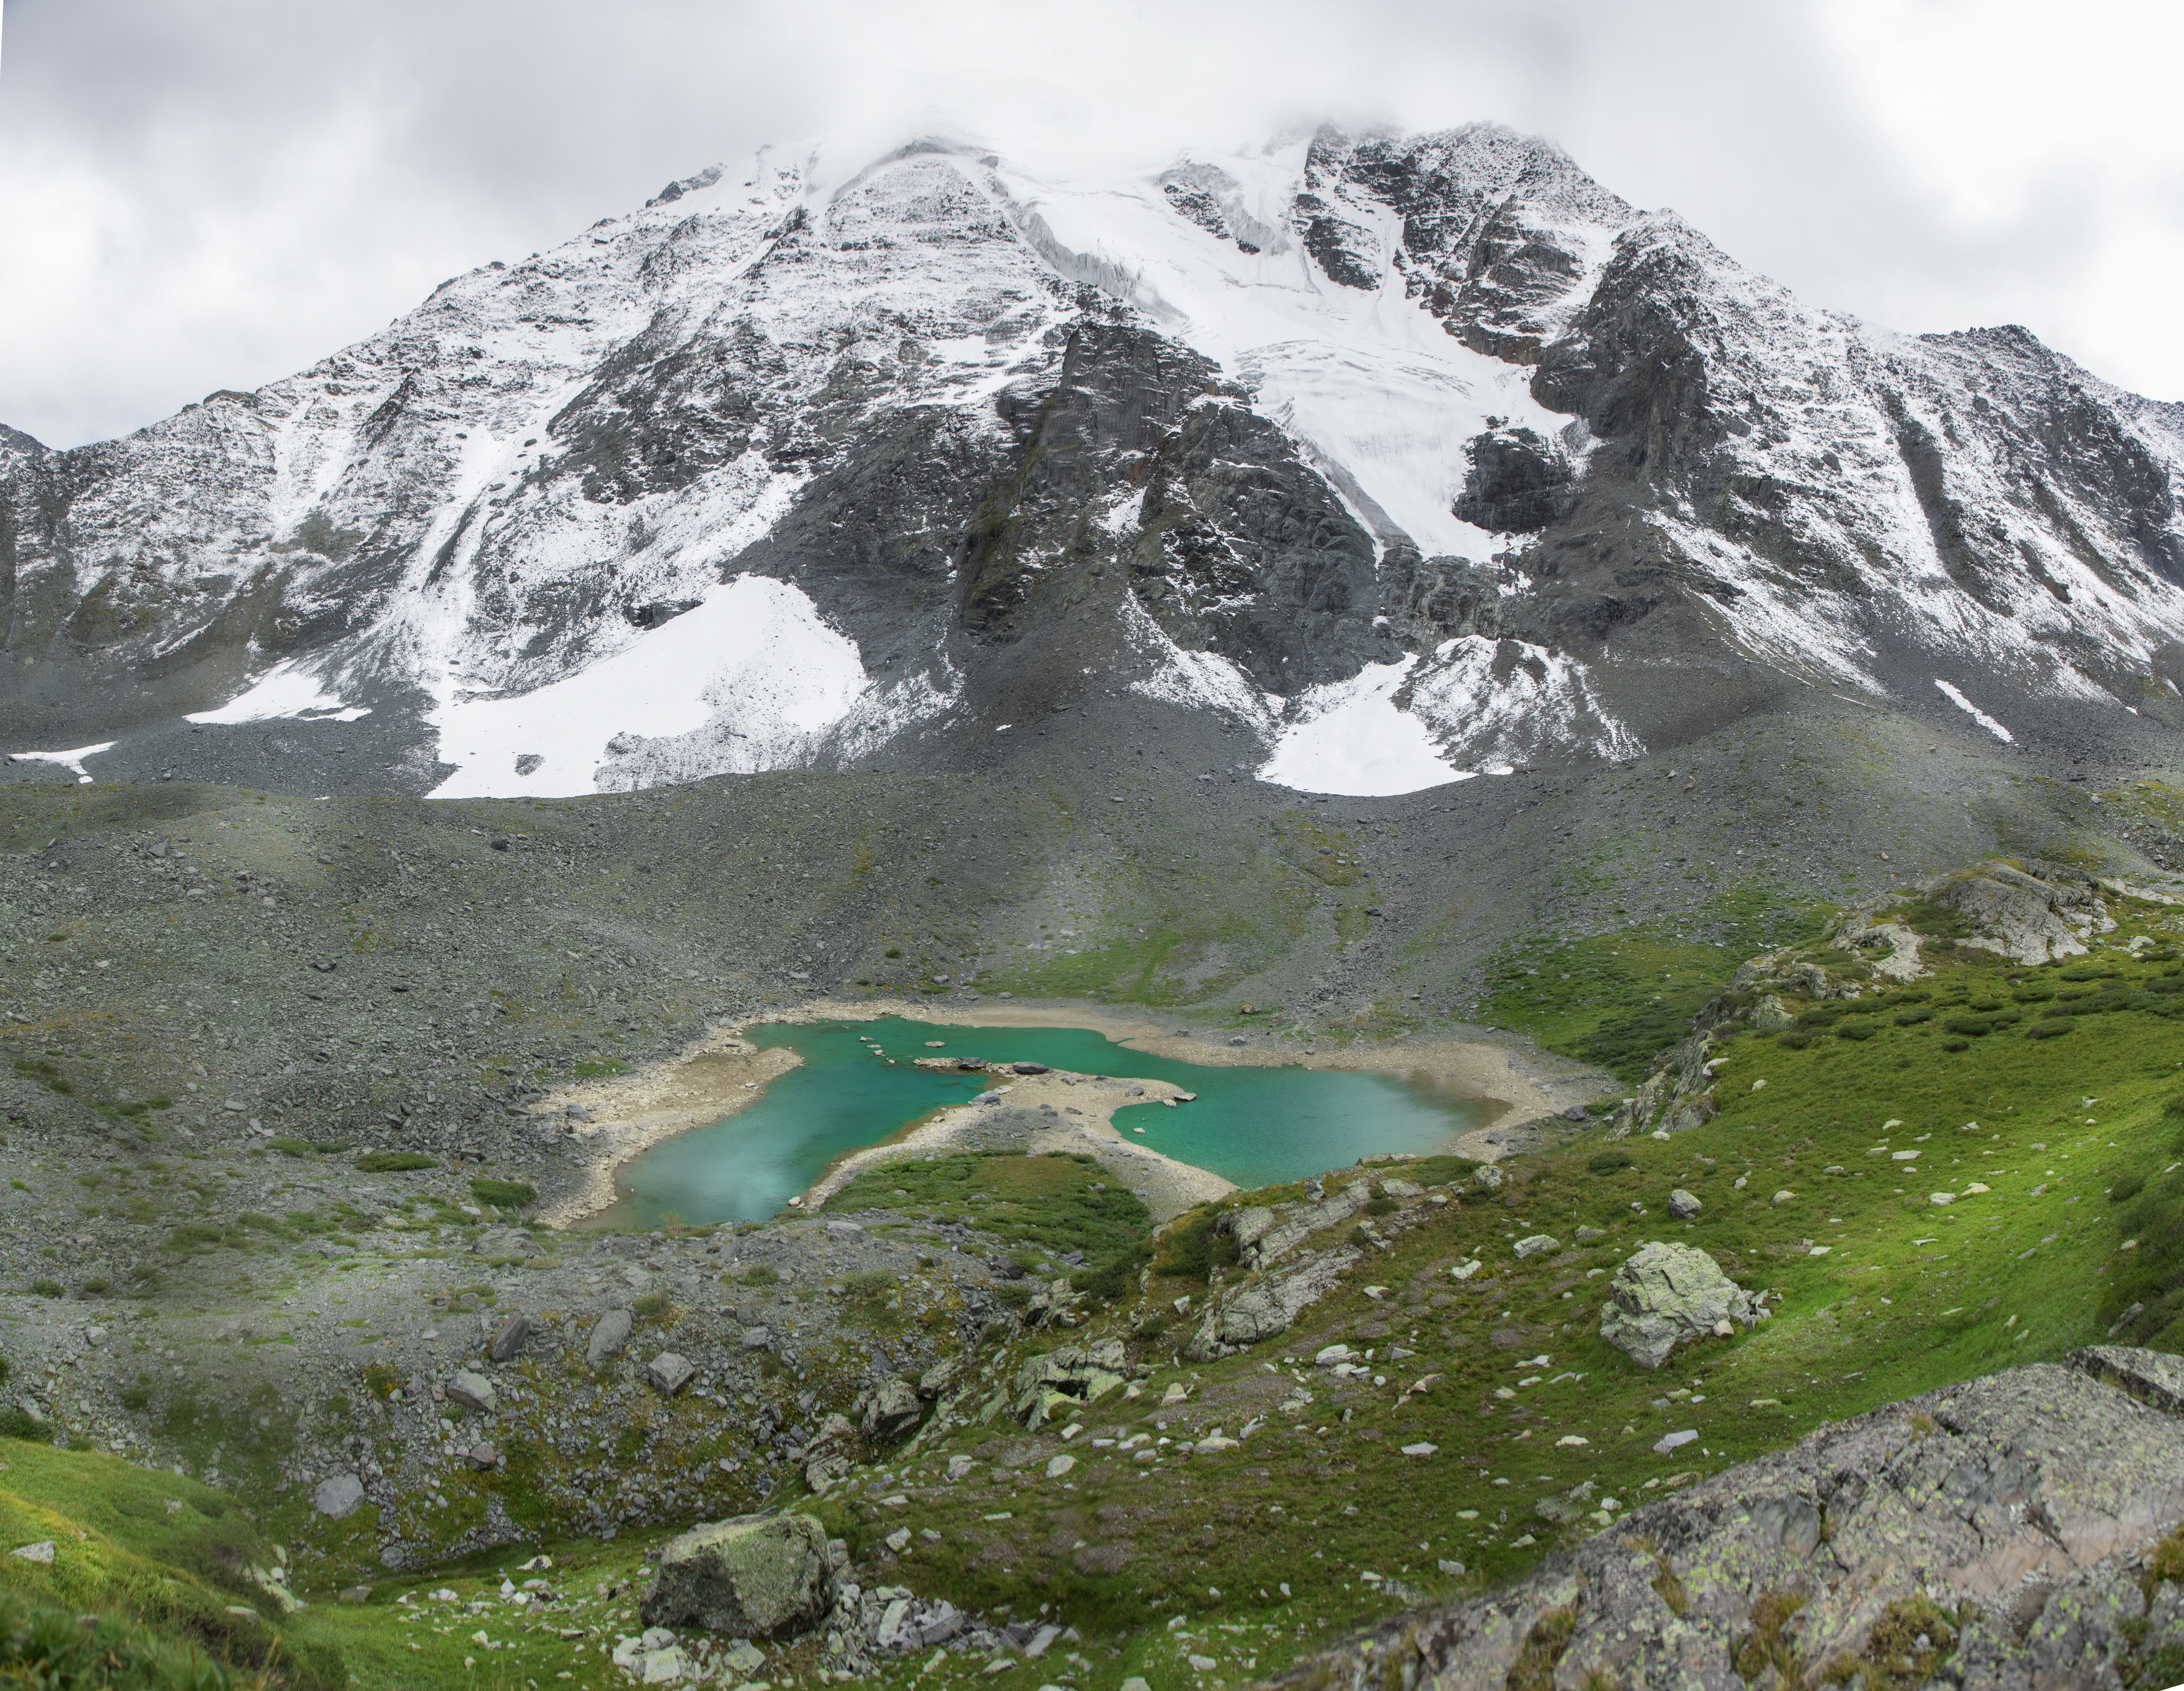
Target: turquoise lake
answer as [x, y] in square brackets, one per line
[1253, 1126]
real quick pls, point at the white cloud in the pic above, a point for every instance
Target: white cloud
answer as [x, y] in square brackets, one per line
[214, 195]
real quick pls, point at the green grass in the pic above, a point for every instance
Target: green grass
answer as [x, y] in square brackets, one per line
[393, 1162]
[1617, 998]
[1903, 1296]
[504, 1194]
[1048, 1205]
[165, 1582]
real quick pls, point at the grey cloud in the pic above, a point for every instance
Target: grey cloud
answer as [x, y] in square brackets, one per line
[213, 192]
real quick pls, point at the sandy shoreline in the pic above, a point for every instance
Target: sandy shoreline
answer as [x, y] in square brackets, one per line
[721, 1073]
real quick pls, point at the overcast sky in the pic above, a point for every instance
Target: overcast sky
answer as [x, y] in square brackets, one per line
[211, 193]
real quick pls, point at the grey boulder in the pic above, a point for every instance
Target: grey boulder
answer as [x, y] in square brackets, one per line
[891, 1409]
[473, 1391]
[668, 1372]
[337, 1496]
[515, 1332]
[1683, 1205]
[609, 1333]
[505, 1241]
[1665, 1294]
[754, 1576]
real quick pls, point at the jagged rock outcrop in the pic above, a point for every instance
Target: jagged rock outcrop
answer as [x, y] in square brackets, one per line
[2006, 1522]
[1242, 1313]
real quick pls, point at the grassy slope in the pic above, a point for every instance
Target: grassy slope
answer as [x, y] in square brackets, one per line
[1908, 1295]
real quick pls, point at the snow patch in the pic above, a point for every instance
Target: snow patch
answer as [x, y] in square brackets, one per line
[1972, 711]
[69, 761]
[284, 691]
[754, 664]
[1350, 737]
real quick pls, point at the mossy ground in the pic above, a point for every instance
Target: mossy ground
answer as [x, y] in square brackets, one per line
[1616, 998]
[1045, 1206]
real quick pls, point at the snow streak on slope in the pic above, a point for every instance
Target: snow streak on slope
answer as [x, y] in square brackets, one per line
[283, 691]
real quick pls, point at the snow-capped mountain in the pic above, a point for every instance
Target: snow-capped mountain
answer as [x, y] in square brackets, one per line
[1408, 457]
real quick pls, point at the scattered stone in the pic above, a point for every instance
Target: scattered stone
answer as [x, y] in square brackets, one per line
[960, 1466]
[898, 1540]
[1537, 1244]
[609, 1333]
[1058, 1466]
[42, 1551]
[482, 1457]
[1783, 1196]
[1674, 1441]
[354, 1593]
[1683, 1205]
[1585, 1236]
[668, 1373]
[337, 1496]
[1486, 1177]
[1402, 1188]
[1667, 1294]
[515, 1333]
[754, 1576]
[473, 1391]
[1942, 1198]
[505, 1243]
[1421, 1449]
[757, 1339]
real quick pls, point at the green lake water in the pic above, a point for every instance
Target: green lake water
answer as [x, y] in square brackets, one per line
[1256, 1126]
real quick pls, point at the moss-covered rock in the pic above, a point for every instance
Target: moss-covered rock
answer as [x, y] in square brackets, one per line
[755, 1576]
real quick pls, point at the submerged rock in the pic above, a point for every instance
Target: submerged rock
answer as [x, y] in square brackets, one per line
[1667, 1294]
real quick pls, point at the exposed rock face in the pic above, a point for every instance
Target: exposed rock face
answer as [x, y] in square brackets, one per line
[2010, 1516]
[755, 1576]
[1067, 1378]
[1517, 482]
[1667, 1294]
[1266, 1303]
[2023, 916]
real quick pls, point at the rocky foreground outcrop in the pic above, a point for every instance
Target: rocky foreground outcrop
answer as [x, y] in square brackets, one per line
[2015, 1533]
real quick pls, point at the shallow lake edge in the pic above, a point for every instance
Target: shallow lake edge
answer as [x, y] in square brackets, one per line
[708, 1079]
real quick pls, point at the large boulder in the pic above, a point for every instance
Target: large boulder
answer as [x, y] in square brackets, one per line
[609, 1333]
[891, 1409]
[754, 1576]
[1665, 1294]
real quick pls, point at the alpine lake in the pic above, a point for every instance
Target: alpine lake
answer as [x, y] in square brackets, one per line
[1252, 1124]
